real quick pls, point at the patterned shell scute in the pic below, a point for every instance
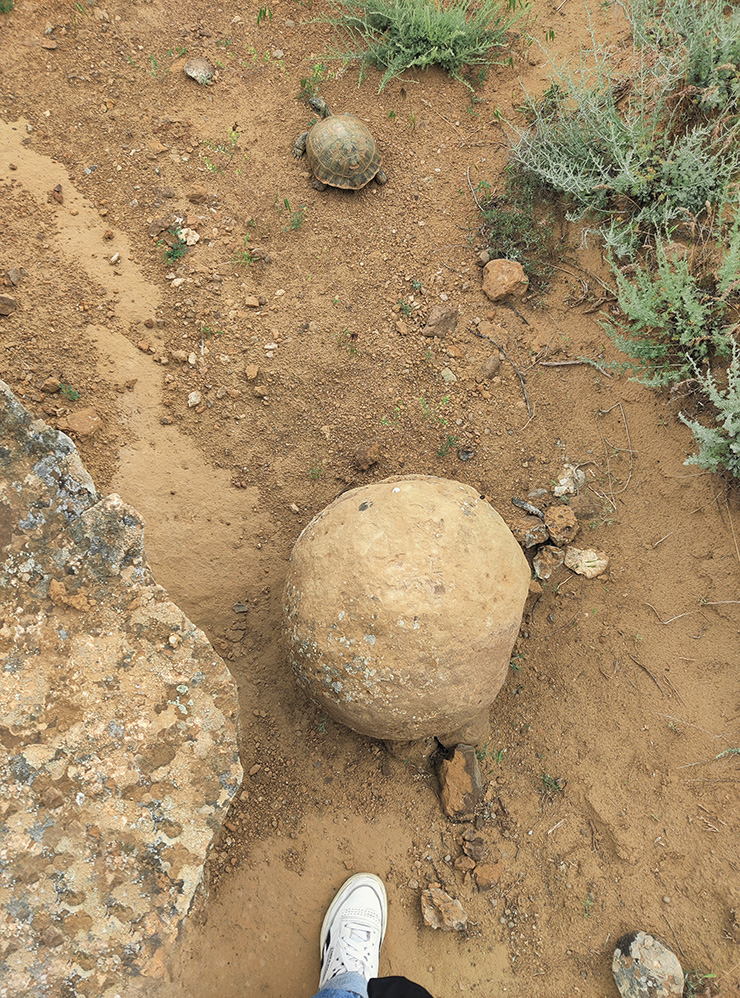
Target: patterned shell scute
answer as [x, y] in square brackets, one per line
[342, 152]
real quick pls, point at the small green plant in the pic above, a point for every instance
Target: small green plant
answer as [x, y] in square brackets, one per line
[450, 442]
[296, 216]
[348, 340]
[310, 84]
[516, 662]
[264, 14]
[225, 150]
[392, 115]
[223, 43]
[154, 64]
[176, 247]
[316, 472]
[208, 331]
[404, 307]
[719, 446]
[697, 983]
[552, 785]
[394, 419]
[588, 905]
[6, 6]
[70, 393]
[430, 411]
[517, 223]
[321, 726]
[243, 255]
[416, 285]
[396, 35]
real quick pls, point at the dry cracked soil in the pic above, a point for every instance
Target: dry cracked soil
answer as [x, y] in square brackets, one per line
[230, 398]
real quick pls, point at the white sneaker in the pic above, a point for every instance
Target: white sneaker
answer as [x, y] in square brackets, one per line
[353, 929]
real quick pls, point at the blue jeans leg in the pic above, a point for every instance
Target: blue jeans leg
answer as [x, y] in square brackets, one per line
[348, 985]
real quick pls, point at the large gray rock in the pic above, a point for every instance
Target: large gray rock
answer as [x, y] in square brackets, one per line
[402, 603]
[118, 728]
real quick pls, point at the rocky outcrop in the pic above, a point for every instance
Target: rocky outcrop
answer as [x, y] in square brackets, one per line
[118, 727]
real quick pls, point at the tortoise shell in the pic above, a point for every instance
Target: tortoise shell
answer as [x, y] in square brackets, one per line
[342, 152]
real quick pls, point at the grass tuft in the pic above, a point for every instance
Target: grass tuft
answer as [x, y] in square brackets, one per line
[396, 35]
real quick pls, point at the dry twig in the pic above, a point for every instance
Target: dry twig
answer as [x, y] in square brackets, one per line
[645, 669]
[482, 336]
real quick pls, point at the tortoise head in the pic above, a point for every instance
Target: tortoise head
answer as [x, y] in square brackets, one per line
[320, 107]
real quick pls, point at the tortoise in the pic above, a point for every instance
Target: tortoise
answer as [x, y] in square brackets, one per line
[341, 151]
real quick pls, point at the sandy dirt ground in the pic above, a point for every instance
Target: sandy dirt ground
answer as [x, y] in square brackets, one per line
[612, 805]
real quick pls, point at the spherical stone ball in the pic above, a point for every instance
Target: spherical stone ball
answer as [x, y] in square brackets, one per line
[402, 604]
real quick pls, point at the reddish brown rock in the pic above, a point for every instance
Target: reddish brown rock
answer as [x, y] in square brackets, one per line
[460, 784]
[442, 322]
[502, 278]
[487, 875]
[366, 456]
[83, 423]
[51, 386]
[562, 523]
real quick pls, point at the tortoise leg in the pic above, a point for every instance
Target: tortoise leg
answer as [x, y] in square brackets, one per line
[300, 145]
[318, 185]
[381, 177]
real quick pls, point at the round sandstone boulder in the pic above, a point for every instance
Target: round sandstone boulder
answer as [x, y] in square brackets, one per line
[402, 604]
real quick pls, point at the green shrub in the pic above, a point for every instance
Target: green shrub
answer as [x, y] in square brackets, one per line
[622, 152]
[719, 447]
[6, 6]
[679, 312]
[705, 36]
[395, 35]
[516, 227]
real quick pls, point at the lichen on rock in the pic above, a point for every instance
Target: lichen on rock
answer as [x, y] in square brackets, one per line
[118, 732]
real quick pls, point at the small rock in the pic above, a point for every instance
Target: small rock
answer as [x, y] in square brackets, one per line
[484, 257]
[528, 530]
[547, 559]
[143, 345]
[401, 328]
[586, 562]
[585, 506]
[474, 846]
[489, 368]
[14, 276]
[7, 304]
[108, 234]
[441, 322]
[487, 875]
[502, 278]
[289, 23]
[644, 967]
[194, 398]
[571, 479]
[366, 456]
[562, 523]
[460, 782]
[251, 372]
[464, 863]
[465, 454]
[51, 386]
[259, 253]
[440, 911]
[116, 258]
[255, 769]
[261, 391]
[448, 376]
[200, 70]
[82, 423]
[197, 195]
[251, 301]
[189, 236]
[277, 53]
[535, 589]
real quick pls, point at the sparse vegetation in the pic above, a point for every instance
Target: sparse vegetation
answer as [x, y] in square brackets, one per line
[719, 446]
[6, 6]
[396, 35]
[70, 393]
[652, 159]
[176, 247]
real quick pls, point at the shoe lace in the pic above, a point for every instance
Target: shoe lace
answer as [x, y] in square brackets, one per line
[356, 951]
